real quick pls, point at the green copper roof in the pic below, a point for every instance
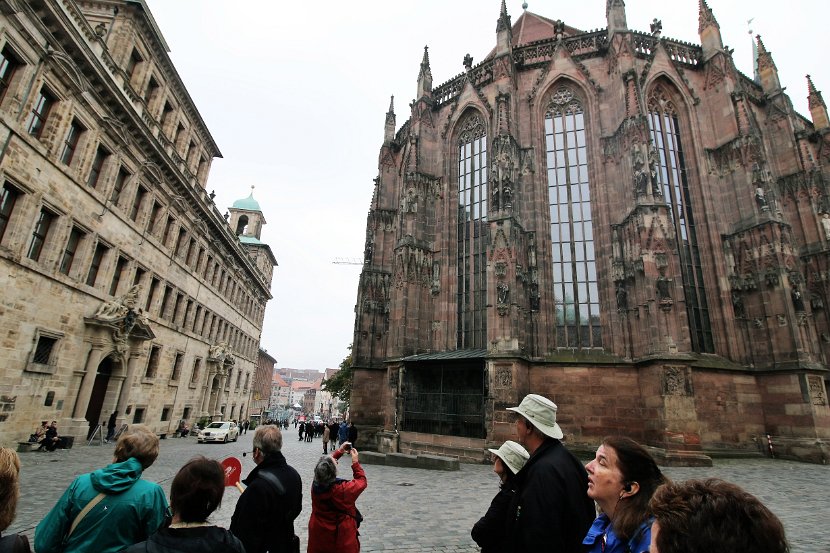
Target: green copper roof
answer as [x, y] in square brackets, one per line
[248, 203]
[250, 239]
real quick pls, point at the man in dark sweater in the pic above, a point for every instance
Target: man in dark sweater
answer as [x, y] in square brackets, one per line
[551, 510]
[264, 516]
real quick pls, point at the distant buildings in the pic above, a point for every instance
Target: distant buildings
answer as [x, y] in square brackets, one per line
[620, 221]
[124, 287]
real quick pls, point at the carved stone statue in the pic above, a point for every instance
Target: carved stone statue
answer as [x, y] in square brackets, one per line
[662, 286]
[118, 308]
[503, 293]
[622, 297]
[738, 305]
[825, 224]
[760, 199]
[798, 300]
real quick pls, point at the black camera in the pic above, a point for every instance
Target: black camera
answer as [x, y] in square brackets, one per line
[347, 448]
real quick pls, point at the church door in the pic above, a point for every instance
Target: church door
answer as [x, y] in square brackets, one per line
[99, 392]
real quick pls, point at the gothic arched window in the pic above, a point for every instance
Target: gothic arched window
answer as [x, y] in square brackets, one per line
[472, 233]
[673, 180]
[575, 287]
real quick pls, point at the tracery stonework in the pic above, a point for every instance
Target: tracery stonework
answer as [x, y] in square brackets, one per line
[818, 395]
[676, 381]
[504, 377]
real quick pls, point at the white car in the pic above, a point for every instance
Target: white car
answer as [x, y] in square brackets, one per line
[219, 431]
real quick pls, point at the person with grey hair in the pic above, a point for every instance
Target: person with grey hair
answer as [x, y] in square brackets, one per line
[264, 516]
[550, 511]
[334, 515]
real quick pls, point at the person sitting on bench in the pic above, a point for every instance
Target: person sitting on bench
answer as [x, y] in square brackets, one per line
[51, 438]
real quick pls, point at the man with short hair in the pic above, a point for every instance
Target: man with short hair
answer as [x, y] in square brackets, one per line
[264, 516]
[551, 510]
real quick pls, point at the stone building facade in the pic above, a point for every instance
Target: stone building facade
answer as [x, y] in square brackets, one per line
[124, 287]
[262, 391]
[620, 221]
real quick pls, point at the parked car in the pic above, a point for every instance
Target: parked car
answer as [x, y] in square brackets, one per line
[219, 431]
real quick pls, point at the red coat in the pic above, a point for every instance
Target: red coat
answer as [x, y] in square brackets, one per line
[330, 529]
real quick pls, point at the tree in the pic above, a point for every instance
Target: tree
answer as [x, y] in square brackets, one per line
[340, 384]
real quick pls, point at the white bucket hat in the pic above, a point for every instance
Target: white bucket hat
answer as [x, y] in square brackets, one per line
[512, 454]
[540, 411]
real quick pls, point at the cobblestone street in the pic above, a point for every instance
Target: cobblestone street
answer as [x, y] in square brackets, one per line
[422, 511]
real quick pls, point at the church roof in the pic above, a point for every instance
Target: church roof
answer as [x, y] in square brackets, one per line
[531, 27]
[251, 239]
[248, 203]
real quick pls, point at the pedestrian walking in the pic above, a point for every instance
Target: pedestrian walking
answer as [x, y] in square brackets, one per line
[702, 516]
[352, 434]
[326, 434]
[111, 426]
[195, 493]
[550, 511]
[9, 494]
[621, 480]
[489, 532]
[343, 433]
[111, 508]
[334, 516]
[264, 516]
[301, 429]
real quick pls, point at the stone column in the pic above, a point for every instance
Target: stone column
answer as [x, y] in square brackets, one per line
[85, 391]
[126, 387]
[205, 407]
[219, 391]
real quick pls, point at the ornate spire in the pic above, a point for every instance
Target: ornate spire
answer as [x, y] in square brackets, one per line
[705, 17]
[504, 19]
[389, 128]
[425, 76]
[709, 31]
[818, 109]
[615, 14]
[767, 72]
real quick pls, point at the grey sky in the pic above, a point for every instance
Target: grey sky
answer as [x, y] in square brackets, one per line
[295, 95]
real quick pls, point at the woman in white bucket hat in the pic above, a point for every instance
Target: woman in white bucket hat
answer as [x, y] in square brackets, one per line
[489, 531]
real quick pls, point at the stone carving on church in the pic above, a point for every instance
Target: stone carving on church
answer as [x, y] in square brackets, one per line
[676, 381]
[504, 377]
[663, 293]
[825, 225]
[118, 308]
[409, 203]
[771, 277]
[503, 297]
[798, 300]
[622, 297]
[738, 305]
[435, 286]
[818, 394]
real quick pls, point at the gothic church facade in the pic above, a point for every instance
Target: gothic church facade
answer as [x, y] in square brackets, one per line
[620, 221]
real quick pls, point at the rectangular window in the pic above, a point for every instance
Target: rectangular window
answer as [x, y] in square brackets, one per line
[95, 266]
[165, 114]
[120, 181]
[43, 350]
[9, 64]
[178, 136]
[40, 234]
[176, 305]
[40, 111]
[140, 193]
[138, 415]
[165, 413]
[70, 145]
[177, 366]
[120, 265]
[8, 197]
[132, 64]
[155, 212]
[151, 295]
[139, 276]
[101, 155]
[197, 367]
[153, 362]
[179, 241]
[151, 90]
[196, 317]
[75, 238]
[165, 301]
[190, 246]
[168, 227]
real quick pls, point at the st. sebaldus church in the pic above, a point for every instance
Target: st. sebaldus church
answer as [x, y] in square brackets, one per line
[622, 222]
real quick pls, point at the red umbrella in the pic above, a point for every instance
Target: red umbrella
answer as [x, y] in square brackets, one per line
[233, 470]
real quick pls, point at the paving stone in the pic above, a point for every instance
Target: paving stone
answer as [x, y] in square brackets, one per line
[422, 511]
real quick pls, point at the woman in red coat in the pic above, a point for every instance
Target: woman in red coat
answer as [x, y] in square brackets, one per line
[332, 527]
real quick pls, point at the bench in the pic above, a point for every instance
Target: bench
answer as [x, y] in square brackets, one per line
[24, 447]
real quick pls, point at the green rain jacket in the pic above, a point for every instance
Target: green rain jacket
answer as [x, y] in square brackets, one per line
[131, 511]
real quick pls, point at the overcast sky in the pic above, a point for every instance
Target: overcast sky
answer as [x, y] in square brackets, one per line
[295, 95]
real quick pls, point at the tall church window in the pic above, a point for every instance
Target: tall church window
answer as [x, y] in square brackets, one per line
[673, 180]
[472, 234]
[575, 287]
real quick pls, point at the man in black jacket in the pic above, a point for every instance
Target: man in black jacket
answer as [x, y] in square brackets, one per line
[551, 510]
[265, 513]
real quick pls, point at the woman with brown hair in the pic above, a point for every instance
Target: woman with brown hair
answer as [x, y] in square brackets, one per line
[621, 480]
[195, 493]
[9, 493]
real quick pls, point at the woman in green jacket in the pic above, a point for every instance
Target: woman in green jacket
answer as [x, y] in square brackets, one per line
[126, 509]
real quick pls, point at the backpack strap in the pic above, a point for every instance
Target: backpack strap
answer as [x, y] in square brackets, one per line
[95, 501]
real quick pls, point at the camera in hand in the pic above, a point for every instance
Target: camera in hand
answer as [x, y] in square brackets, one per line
[347, 448]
